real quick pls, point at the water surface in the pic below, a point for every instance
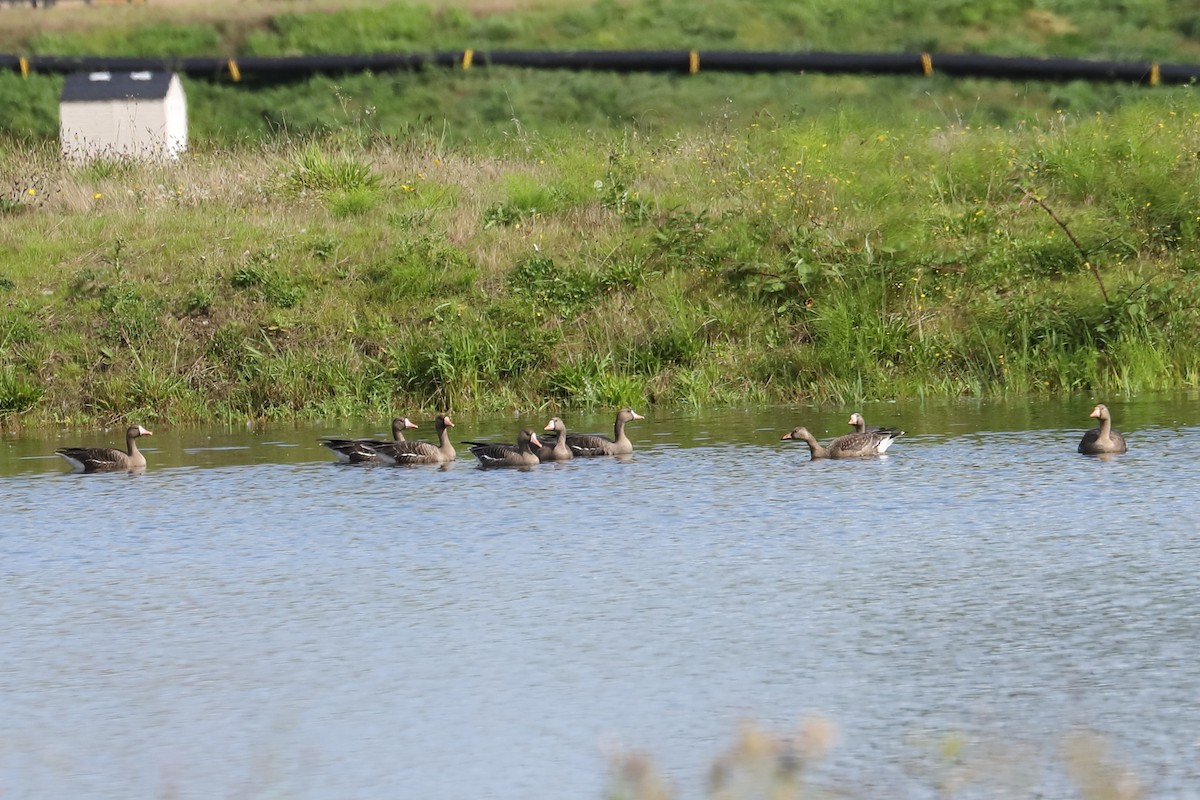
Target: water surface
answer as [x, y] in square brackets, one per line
[248, 619]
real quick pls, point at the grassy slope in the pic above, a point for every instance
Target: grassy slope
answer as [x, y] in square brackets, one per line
[875, 247]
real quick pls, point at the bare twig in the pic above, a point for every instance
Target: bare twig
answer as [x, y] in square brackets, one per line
[1087, 261]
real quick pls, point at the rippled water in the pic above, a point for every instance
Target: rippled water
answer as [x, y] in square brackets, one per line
[247, 619]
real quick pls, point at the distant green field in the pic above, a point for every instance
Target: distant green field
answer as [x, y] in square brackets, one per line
[485, 102]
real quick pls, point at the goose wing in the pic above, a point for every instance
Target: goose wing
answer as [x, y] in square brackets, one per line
[867, 443]
[411, 452]
[356, 451]
[494, 452]
[1090, 443]
[93, 459]
[589, 444]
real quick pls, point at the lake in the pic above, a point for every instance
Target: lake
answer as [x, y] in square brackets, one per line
[248, 619]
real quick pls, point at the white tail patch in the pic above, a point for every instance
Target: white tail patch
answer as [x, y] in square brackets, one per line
[884, 444]
[76, 464]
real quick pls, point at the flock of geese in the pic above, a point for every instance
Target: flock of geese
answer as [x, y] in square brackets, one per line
[529, 450]
[555, 444]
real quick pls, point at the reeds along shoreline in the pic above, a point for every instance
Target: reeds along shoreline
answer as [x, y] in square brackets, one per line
[767, 264]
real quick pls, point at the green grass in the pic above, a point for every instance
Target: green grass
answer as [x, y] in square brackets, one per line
[782, 261]
[457, 105]
[823, 239]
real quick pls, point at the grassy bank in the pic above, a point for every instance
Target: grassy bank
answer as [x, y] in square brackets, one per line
[834, 259]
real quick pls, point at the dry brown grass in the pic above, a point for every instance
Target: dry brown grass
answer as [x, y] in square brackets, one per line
[762, 764]
[251, 188]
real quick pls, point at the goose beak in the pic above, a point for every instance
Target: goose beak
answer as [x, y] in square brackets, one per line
[533, 440]
[549, 426]
[143, 432]
[787, 435]
[408, 423]
[637, 415]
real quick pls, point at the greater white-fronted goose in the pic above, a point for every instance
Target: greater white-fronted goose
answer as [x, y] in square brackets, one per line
[520, 454]
[366, 451]
[1103, 439]
[852, 445]
[401, 453]
[556, 448]
[860, 425]
[593, 444]
[107, 459]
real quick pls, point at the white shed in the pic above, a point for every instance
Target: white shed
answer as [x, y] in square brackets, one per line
[122, 115]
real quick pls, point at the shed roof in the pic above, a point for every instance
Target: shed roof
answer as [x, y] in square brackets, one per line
[90, 87]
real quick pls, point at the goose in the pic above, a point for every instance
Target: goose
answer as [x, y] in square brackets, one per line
[852, 445]
[365, 451]
[401, 453]
[1103, 439]
[860, 425]
[556, 448]
[593, 444]
[520, 454]
[107, 459]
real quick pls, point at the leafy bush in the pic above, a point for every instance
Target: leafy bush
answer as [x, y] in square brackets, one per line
[554, 290]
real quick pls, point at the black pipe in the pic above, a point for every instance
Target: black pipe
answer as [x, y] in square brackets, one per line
[846, 63]
[1044, 69]
[963, 65]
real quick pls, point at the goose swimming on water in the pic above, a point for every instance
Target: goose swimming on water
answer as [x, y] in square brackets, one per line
[1103, 439]
[366, 451]
[509, 455]
[859, 424]
[404, 453]
[107, 459]
[852, 445]
[555, 449]
[593, 444]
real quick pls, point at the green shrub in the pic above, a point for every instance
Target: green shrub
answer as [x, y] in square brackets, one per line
[554, 290]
